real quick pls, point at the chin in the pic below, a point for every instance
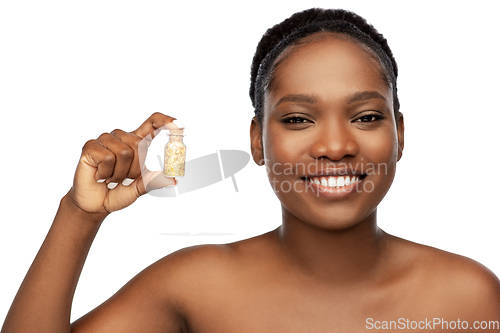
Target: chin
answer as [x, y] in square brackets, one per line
[327, 215]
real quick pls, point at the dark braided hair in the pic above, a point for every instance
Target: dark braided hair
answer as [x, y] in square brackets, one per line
[293, 30]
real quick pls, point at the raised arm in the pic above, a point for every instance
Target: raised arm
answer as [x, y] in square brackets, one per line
[102, 184]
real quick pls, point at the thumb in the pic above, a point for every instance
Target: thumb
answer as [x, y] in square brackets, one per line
[153, 180]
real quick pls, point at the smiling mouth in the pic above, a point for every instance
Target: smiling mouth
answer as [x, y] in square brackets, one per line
[334, 181]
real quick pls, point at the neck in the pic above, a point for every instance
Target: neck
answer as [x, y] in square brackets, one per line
[342, 256]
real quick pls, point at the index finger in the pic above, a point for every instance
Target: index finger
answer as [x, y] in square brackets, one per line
[155, 123]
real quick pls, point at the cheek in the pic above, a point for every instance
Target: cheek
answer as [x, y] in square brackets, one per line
[382, 146]
[280, 148]
[379, 155]
[283, 153]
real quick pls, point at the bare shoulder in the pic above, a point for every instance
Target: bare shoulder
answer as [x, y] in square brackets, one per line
[205, 270]
[210, 258]
[455, 283]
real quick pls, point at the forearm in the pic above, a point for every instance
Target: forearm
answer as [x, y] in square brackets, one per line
[43, 302]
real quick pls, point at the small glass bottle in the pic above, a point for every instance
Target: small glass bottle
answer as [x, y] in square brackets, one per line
[175, 154]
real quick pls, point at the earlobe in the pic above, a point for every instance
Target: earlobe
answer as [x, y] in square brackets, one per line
[256, 142]
[400, 130]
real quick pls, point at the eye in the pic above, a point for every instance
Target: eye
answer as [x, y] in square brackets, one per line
[294, 120]
[369, 118]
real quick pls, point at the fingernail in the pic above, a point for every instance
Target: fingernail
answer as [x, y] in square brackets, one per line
[127, 181]
[101, 180]
[178, 123]
[112, 185]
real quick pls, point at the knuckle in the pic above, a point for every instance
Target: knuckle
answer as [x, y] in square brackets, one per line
[134, 144]
[103, 136]
[127, 154]
[88, 144]
[116, 131]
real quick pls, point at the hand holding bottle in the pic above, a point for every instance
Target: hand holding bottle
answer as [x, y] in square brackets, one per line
[111, 174]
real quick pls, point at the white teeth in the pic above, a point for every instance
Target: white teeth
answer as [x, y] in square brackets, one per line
[332, 182]
[340, 181]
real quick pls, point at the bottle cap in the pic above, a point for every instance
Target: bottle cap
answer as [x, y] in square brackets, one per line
[179, 132]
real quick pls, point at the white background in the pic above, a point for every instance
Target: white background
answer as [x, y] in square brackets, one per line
[72, 70]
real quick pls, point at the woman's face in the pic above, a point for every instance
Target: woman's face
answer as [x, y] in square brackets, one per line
[329, 119]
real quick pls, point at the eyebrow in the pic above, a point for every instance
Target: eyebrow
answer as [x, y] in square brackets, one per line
[298, 98]
[364, 96]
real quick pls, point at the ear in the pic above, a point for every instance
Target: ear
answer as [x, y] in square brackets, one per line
[401, 134]
[256, 142]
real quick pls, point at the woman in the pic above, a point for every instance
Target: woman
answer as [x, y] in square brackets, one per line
[329, 131]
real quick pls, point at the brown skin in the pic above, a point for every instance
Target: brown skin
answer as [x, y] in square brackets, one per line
[326, 269]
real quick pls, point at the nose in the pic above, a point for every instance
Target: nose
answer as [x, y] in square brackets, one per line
[334, 141]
